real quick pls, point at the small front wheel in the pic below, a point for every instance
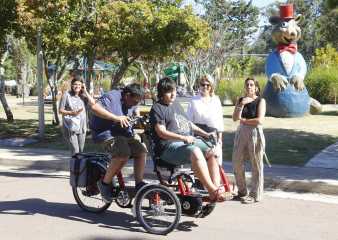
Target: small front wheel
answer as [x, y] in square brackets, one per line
[123, 199]
[158, 209]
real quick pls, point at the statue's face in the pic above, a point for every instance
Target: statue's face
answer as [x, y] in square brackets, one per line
[286, 32]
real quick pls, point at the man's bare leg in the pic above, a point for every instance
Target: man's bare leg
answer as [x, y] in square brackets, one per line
[213, 168]
[114, 167]
[200, 168]
[139, 165]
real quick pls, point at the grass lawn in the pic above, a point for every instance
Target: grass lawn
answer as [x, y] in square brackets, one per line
[291, 141]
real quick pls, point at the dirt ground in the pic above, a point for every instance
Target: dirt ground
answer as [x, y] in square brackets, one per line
[26, 109]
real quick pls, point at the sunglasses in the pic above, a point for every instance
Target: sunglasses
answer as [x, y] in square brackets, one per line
[205, 85]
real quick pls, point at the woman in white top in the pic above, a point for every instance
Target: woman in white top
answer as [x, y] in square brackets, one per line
[205, 110]
[74, 118]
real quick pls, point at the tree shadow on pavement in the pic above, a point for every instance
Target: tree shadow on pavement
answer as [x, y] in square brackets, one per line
[32, 206]
[329, 113]
[115, 238]
[108, 219]
[32, 175]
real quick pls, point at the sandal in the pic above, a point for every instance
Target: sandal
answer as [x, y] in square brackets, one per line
[248, 200]
[220, 196]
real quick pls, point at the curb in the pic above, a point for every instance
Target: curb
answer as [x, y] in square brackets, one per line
[270, 182]
[283, 183]
[56, 165]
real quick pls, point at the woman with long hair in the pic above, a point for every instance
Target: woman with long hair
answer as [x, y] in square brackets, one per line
[74, 117]
[249, 143]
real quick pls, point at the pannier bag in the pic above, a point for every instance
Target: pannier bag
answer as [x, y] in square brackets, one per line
[83, 170]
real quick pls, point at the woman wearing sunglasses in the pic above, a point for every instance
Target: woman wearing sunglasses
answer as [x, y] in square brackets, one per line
[205, 111]
[249, 143]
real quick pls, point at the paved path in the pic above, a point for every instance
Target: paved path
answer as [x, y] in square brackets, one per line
[328, 158]
[43, 207]
[313, 178]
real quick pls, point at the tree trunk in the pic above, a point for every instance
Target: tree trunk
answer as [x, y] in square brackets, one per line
[3, 100]
[145, 75]
[121, 71]
[54, 90]
[90, 76]
[157, 72]
[57, 74]
[118, 75]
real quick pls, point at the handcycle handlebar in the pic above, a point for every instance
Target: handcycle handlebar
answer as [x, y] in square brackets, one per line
[138, 120]
[210, 141]
[143, 121]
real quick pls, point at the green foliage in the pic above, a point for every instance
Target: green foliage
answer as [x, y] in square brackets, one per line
[105, 84]
[238, 18]
[135, 29]
[244, 66]
[258, 66]
[331, 4]
[122, 30]
[230, 89]
[327, 56]
[10, 72]
[8, 16]
[262, 80]
[328, 23]
[142, 28]
[233, 88]
[54, 19]
[322, 83]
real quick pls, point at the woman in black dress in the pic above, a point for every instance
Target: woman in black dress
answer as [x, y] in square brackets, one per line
[249, 143]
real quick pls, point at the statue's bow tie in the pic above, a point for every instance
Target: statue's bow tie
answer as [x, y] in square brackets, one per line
[292, 48]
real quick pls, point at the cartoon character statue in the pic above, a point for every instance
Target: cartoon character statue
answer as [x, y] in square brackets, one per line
[285, 92]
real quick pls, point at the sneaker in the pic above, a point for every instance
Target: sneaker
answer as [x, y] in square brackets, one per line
[106, 191]
[139, 186]
[239, 197]
[248, 200]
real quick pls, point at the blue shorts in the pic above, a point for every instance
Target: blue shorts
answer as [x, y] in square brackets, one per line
[179, 153]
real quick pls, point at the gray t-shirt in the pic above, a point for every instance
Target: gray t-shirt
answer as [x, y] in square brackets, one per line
[173, 118]
[73, 103]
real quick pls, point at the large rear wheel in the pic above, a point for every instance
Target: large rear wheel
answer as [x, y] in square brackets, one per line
[89, 198]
